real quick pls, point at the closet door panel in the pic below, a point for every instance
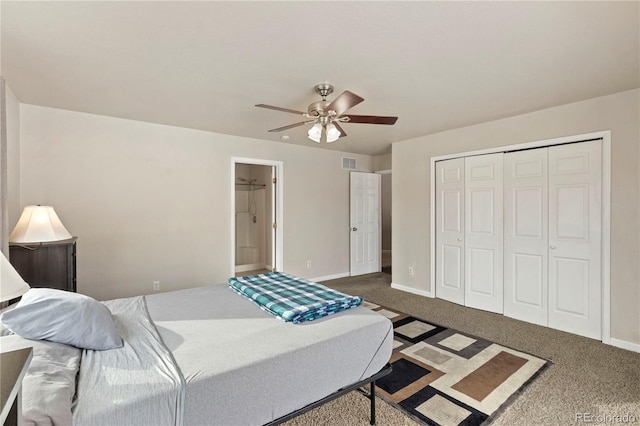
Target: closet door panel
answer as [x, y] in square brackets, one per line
[572, 294]
[483, 232]
[480, 264]
[529, 275]
[526, 235]
[575, 229]
[450, 230]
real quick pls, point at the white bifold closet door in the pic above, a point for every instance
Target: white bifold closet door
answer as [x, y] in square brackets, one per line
[483, 250]
[552, 237]
[575, 238]
[526, 236]
[520, 233]
[469, 226]
[450, 230]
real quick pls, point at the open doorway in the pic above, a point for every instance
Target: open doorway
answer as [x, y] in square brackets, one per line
[385, 218]
[253, 212]
[256, 216]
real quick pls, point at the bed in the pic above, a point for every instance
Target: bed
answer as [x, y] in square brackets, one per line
[203, 356]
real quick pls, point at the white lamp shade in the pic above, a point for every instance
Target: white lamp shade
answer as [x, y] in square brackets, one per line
[11, 283]
[38, 224]
[332, 133]
[315, 132]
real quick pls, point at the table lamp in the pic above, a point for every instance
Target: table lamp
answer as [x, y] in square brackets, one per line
[11, 283]
[38, 224]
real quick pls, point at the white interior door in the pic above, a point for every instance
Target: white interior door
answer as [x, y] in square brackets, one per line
[483, 242]
[526, 239]
[365, 222]
[450, 230]
[575, 238]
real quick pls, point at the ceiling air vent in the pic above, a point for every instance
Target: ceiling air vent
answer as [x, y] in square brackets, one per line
[349, 163]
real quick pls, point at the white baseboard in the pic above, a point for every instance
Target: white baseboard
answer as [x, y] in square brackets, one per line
[330, 277]
[411, 290]
[250, 267]
[633, 347]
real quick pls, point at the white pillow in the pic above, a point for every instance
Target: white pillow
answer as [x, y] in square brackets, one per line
[63, 317]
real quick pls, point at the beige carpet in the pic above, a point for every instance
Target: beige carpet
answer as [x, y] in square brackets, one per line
[587, 378]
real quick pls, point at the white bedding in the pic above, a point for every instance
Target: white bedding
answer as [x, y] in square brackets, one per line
[243, 366]
[138, 384]
[202, 356]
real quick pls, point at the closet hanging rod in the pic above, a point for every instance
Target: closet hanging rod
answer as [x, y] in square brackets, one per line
[252, 184]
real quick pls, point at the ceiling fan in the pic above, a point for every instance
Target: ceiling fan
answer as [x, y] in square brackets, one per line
[327, 115]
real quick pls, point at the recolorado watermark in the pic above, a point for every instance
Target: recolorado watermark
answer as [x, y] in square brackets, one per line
[605, 418]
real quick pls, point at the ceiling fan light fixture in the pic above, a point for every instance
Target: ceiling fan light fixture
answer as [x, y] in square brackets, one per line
[332, 133]
[315, 132]
[327, 114]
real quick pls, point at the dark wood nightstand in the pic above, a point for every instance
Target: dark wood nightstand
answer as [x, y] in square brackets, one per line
[13, 367]
[51, 264]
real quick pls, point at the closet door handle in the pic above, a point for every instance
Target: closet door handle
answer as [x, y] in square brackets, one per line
[552, 247]
[354, 229]
[459, 239]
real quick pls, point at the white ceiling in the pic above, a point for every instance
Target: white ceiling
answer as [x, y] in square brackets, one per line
[204, 65]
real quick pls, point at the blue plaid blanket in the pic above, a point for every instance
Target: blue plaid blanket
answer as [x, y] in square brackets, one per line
[291, 298]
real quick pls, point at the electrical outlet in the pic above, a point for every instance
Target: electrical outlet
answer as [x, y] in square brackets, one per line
[156, 285]
[309, 264]
[410, 270]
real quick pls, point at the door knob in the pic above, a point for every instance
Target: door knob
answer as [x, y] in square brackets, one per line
[552, 247]
[459, 239]
[355, 229]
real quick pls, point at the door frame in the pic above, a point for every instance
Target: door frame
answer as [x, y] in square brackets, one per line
[277, 202]
[605, 135]
[385, 172]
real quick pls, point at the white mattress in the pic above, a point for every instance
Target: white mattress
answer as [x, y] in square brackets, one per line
[243, 366]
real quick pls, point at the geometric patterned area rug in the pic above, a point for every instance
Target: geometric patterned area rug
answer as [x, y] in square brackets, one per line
[445, 377]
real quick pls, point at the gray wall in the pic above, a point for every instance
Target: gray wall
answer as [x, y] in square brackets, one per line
[151, 202]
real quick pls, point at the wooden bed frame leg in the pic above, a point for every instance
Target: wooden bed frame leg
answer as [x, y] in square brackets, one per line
[373, 403]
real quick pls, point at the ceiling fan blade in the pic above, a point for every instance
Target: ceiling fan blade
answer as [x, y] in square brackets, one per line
[292, 111]
[342, 132]
[291, 126]
[371, 119]
[343, 102]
